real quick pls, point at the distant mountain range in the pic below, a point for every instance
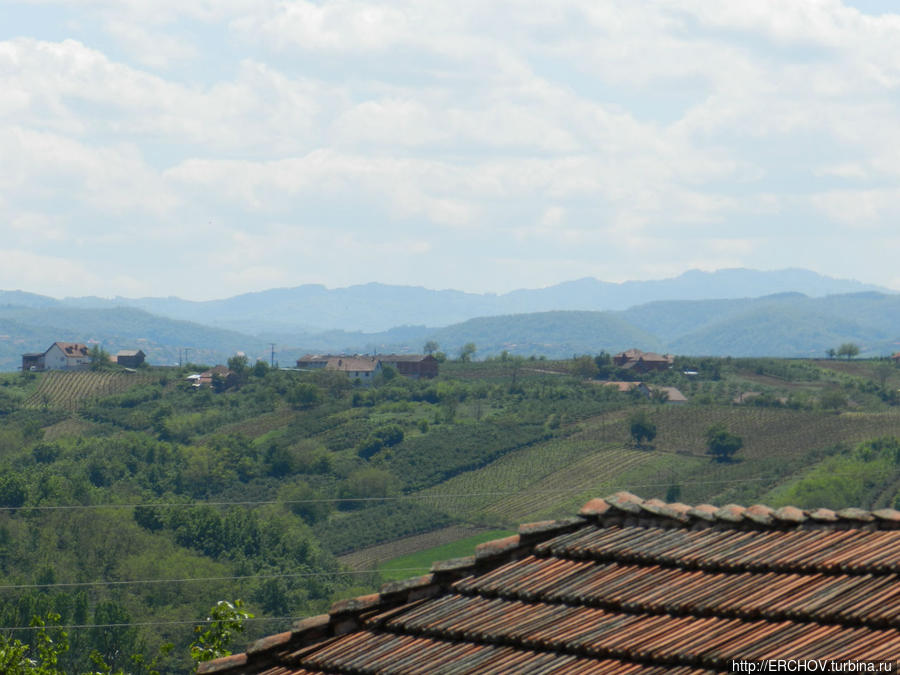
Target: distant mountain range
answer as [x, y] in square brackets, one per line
[729, 312]
[379, 307]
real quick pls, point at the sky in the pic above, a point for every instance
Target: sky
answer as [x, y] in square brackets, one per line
[206, 148]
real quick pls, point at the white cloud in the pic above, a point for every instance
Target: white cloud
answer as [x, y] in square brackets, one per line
[655, 130]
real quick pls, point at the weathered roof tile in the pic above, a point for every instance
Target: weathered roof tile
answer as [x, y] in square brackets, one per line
[678, 589]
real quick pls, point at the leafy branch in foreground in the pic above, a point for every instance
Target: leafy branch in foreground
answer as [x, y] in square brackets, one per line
[227, 620]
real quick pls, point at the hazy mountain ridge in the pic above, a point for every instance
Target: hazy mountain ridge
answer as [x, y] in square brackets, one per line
[376, 307]
[788, 323]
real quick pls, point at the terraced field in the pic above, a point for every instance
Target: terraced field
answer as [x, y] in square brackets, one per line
[767, 432]
[69, 390]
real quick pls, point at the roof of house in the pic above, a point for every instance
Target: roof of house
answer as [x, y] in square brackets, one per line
[314, 358]
[222, 371]
[129, 352]
[71, 348]
[638, 355]
[628, 586]
[621, 386]
[673, 394]
[353, 363]
[407, 358]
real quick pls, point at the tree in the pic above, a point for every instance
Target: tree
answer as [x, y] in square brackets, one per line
[584, 367]
[467, 351]
[641, 428]
[99, 357]
[883, 370]
[304, 395]
[848, 349]
[431, 347]
[225, 621]
[721, 443]
[830, 352]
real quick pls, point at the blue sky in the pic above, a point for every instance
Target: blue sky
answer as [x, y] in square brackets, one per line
[213, 147]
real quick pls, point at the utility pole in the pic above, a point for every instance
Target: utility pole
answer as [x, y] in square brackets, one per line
[186, 350]
[272, 360]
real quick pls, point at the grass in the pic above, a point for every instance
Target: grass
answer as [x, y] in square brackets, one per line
[416, 564]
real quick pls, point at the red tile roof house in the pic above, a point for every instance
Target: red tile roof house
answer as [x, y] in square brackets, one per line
[628, 586]
[67, 356]
[643, 362]
[228, 377]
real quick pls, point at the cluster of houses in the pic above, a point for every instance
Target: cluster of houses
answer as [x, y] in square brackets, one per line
[646, 362]
[75, 356]
[364, 368]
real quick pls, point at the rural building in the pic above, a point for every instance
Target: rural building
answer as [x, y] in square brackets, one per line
[629, 586]
[673, 395]
[364, 367]
[33, 361]
[225, 375]
[626, 387]
[411, 365]
[642, 362]
[312, 361]
[59, 356]
[130, 358]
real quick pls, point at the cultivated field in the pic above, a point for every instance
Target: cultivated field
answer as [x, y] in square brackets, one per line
[71, 390]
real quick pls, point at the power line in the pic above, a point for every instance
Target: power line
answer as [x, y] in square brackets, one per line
[81, 584]
[141, 623]
[323, 500]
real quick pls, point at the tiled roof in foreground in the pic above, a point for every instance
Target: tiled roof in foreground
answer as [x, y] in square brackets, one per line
[629, 586]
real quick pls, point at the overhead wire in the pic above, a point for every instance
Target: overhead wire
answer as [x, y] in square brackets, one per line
[330, 500]
[137, 582]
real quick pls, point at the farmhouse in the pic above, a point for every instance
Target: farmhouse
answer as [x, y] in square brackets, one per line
[642, 362]
[59, 356]
[221, 374]
[626, 387]
[312, 361]
[672, 395]
[411, 365]
[628, 586]
[130, 358]
[364, 367]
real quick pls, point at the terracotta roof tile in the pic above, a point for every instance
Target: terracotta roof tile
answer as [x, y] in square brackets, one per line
[631, 586]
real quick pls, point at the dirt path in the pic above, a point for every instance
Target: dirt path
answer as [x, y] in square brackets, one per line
[369, 558]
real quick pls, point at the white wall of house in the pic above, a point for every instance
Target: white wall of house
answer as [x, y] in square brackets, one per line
[56, 359]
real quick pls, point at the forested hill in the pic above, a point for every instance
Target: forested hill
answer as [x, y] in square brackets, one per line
[34, 329]
[783, 325]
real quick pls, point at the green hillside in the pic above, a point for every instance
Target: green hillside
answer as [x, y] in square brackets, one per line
[30, 329]
[253, 492]
[553, 334]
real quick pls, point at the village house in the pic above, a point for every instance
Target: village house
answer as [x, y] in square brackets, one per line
[208, 378]
[59, 356]
[628, 586]
[130, 358]
[414, 366]
[363, 368]
[626, 387]
[672, 395]
[642, 362]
